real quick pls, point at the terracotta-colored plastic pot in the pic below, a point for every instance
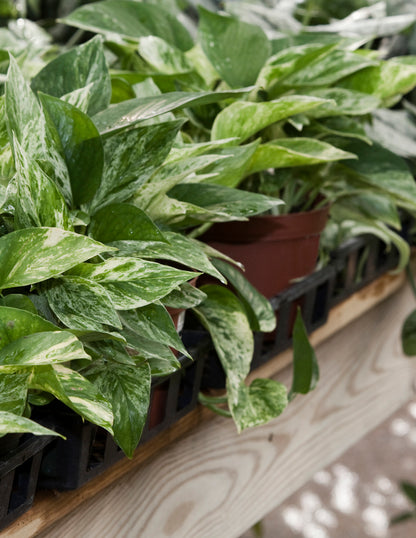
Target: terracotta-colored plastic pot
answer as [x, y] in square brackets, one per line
[273, 249]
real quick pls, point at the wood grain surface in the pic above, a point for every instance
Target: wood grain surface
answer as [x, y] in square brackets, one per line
[213, 483]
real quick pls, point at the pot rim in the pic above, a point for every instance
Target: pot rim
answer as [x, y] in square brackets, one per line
[270, 227]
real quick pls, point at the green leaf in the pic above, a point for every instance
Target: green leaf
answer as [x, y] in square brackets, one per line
[382, 170]
[18, 301]
[11, 423]
[288, 152]
[136, 110]
[180, 249]
[243, 119]
[132, 283]
[162, 57]
[74, 391]
[305, 365]
[230, 170]
[186, 151]
[13, 391]
[389, 80]
[340, 101]
[329, 69]
[79, 98]
[80, 303]
[82, 67]
[363, 225]
[409, 490]
[258, 308]
[16, 323]
[131, 157]
[130, 19]
[36, 254]
[123, 222]
[128, 390]
[409, 335]
[83, 148]
[402, 517]
[290, 60]
[339, 126]
[395, 130]
[38, 200]
[224, 201]
[121, 90]
[40, 348]
[187, 296]
[226, 40]
[34, 133]
[259, 403]
[161, 359]
[370, 204]
[152, 197]
[223, 316]
[154, 323]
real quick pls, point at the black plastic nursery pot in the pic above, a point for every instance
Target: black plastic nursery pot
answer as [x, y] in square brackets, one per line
[89, 450]
[20, 459]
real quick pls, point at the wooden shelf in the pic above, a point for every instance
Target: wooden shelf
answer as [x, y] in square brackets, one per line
[202, 479]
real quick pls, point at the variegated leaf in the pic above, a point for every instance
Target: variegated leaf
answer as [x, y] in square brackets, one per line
[80, 303]
[288, 152]
[36, 254]
[82, 145]
[34, 132]
[128, 389]
[75, 391]
[181, 249]
[38, 201]
[243, 119]
[131, 282]
[41, 348]
[154, 323]
[121, 222]
[131, 157]
[133, 111]
[12, 423]
[130, 19]
[82, 68]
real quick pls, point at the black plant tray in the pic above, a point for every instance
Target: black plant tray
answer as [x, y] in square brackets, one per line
[89, 450]
[19, 470]
[313, 296]
[353, 266]
[358, 262]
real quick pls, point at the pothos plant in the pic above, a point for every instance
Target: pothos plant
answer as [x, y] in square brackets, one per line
[299, 134]
[304, 114]
[82, 311]
[325, 150]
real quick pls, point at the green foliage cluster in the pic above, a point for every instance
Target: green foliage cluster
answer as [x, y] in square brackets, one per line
[116, 154]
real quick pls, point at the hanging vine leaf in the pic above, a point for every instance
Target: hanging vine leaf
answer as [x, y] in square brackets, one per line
[305, 364]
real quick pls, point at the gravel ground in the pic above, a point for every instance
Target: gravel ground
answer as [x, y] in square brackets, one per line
[355, 496]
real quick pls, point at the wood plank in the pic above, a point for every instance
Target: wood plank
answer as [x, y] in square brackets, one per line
[221, 462]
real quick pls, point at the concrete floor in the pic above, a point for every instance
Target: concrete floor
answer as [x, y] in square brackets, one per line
[355, 496]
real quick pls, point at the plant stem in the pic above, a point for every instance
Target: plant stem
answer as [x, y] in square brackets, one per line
[204, 399]
[410, 278]
[207, 402]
